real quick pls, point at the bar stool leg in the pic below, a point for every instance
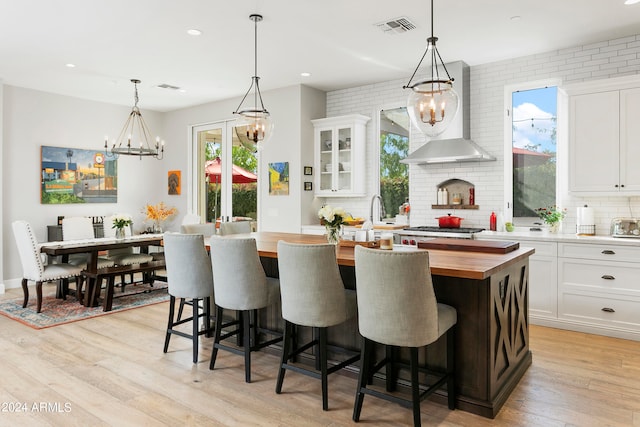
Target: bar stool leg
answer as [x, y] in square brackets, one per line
[172, 301]
[415, 389]
[286, 349]
[194, 331]
[246, 320]
[322, 350]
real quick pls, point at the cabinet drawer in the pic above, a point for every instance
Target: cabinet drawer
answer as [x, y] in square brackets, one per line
[542, 248]
[605, 276]
[622, 312]
[599, 252]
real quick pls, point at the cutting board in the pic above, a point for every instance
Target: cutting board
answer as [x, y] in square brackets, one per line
[466, 245]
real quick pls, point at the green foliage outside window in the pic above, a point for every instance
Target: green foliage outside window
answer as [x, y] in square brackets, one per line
[394, 176]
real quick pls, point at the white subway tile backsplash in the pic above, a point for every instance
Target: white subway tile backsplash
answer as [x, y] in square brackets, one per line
[606, 59]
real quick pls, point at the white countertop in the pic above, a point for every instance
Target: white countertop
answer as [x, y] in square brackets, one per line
[559, 237]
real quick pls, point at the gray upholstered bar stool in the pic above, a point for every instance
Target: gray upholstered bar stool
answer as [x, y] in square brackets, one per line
[237, 227]
[189, 276]
[207, 230]
[313, 295]
[397, 307]
[241, 284]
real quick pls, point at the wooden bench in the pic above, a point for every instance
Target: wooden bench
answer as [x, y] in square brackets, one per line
[94, 286]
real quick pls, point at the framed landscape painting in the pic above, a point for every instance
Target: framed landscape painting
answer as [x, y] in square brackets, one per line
[74, 175]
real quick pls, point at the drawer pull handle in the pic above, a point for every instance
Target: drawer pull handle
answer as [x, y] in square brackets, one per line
[608, 277]
[608, 310]
[608, 252]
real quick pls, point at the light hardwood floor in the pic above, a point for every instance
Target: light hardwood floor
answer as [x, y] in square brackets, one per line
[111, 370]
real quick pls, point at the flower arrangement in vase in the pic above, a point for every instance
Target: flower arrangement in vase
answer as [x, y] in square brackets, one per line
[158, 214]
[552, 216]
[120, 221]
[332, 218]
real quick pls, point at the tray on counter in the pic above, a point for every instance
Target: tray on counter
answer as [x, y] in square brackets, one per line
[488, 246]
[351, 243]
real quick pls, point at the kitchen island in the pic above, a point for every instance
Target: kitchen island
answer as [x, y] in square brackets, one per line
[490, 293]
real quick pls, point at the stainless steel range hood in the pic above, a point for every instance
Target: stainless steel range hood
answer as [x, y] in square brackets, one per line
[454, 144]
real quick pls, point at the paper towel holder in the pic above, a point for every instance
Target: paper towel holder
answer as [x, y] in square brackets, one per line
[585, 229]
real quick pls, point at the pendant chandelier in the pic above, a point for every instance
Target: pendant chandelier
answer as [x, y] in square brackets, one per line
[254, 126]
[134, 137]
[433, 103]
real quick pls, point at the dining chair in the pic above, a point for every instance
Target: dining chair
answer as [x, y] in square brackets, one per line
[33, 267]
[189, 276]
[237, 227]
[208, 229]
[313, 295]
[397, 307]
[240, 284]
[81, 228]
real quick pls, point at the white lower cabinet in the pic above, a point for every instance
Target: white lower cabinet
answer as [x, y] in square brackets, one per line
[543, 280]
[584, 286]
[599, 288]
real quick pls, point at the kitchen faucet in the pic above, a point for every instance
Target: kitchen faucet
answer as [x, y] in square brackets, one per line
[381, 211]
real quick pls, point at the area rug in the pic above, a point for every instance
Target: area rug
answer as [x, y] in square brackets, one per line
[58, 312]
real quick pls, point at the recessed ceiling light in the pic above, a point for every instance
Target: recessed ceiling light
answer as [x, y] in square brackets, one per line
[631, 1]
[194, 32]
[305, 74]
[515, 18]
[70, 65]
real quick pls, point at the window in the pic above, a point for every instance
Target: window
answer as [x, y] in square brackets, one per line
[394, 146]
[530, 159]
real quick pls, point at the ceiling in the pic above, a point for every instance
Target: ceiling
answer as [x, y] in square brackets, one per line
[337, 41]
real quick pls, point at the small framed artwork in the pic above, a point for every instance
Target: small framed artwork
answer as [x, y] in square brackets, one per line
[308, 170]
[308, 186]
[173, 178]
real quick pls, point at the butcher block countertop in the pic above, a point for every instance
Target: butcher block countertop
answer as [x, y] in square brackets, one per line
[468, 245]
[450, 263]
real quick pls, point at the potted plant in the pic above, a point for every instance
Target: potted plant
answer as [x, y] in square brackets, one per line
[158, 214]
[552, 216]
[332, 218]
[120, 221]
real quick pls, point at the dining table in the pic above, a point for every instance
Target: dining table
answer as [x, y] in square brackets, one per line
[490, 293]
[93, 247]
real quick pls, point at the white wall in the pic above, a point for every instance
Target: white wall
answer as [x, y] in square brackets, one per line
[32, 119]
[607, 59]
[291, 109]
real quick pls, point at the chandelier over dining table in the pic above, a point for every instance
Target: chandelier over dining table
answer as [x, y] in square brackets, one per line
[135, 136]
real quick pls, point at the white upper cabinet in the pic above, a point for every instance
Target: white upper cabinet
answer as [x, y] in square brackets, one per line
[604, 137]
[339, 155]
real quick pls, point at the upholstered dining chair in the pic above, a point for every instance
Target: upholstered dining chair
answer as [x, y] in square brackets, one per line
[314, 296]
[240, 284]
[81, 228]
[397, 307]
[207, 230]
[237, 227]
[189, 276]
[34, 269]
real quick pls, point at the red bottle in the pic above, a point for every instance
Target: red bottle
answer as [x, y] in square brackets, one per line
[493, 222]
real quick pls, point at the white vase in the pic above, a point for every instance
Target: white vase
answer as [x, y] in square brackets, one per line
[554, 227]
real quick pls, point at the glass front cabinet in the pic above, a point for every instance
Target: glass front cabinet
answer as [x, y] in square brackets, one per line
[339, 155]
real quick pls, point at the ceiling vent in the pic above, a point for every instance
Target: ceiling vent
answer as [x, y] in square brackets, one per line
[166, 86]
[396, 26]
